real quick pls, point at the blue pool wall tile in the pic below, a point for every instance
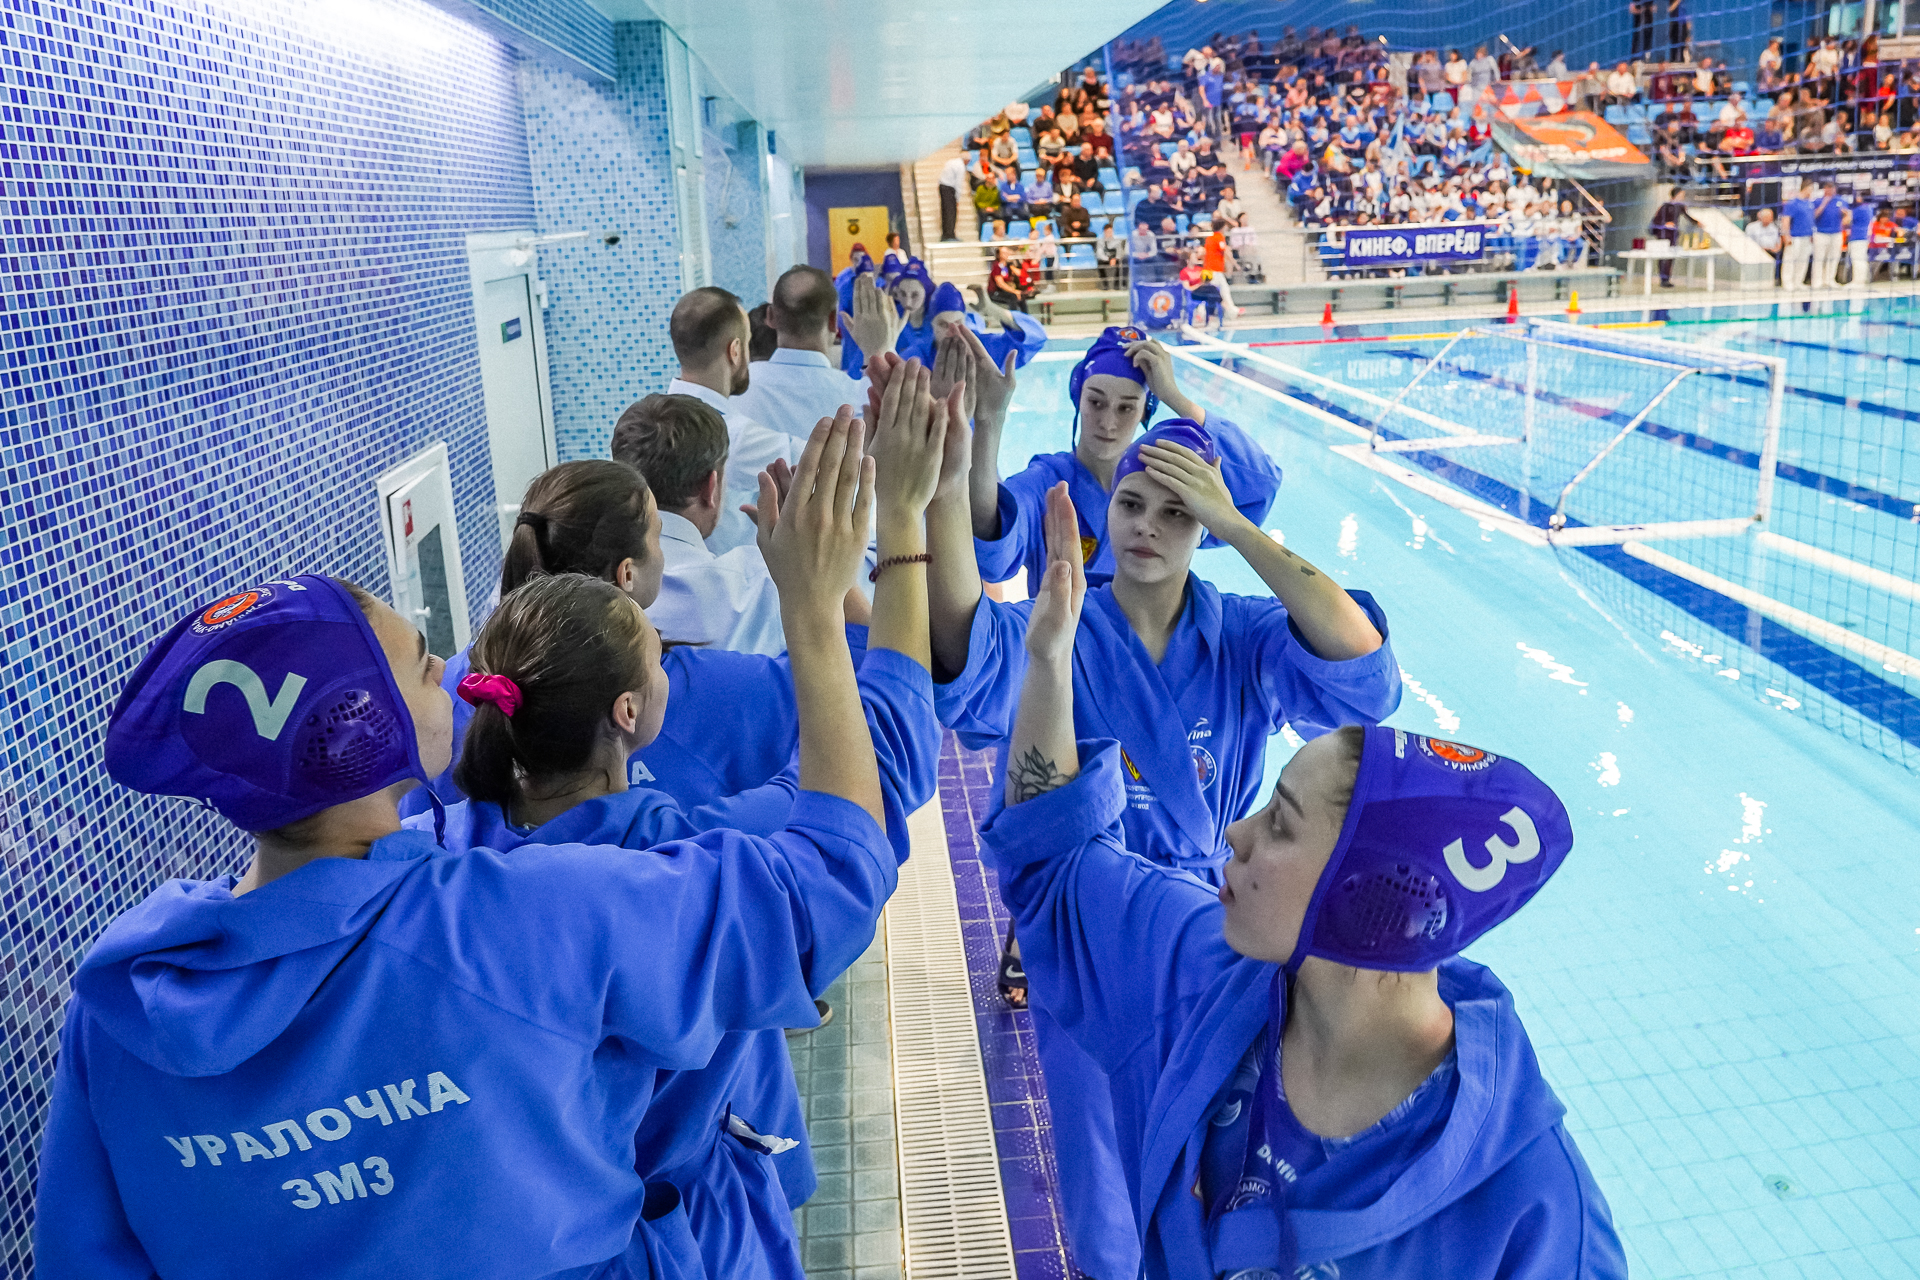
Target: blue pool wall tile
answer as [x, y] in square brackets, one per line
[570, 34]
[601, 160]
[233, 290]
[736, 193]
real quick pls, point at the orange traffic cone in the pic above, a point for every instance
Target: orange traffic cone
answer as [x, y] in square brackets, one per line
[1573, 306]
[1513, 304]
[1326, 317]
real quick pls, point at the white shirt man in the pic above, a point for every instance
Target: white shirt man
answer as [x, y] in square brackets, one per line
[751, 448]
[727, 601]
[1765, 232]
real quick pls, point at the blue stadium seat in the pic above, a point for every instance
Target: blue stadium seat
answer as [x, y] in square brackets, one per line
[1109, 178]
[1705, 109]
[1018, 230]
[1636, 113]
[1180, 223]
[1761, 106]
[1116, 203]
[1615, 114]
[1097, 226]
[1639, 135]
[1079, 255]
[1440, 100]
[986, 230]
[1742, 87]
[1134, 197]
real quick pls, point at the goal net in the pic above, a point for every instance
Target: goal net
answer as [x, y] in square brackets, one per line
[1594, 437]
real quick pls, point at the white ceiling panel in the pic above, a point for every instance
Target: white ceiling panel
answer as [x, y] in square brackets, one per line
[877, 82]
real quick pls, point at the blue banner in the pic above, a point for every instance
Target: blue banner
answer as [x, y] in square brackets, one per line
[1431, 242]
[1159, 306]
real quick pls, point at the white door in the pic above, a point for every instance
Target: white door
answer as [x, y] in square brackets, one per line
[510, 377]
[423, 545]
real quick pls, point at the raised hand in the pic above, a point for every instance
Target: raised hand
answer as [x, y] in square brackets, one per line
[1154, 360]
[993, 383]
[1196, 482]
[953, 366]
[1056, 605]
[813, 541]
[782, 473]
[909, 437]
[875, 323]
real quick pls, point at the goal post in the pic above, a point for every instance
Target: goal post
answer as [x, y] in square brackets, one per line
[1573, 420]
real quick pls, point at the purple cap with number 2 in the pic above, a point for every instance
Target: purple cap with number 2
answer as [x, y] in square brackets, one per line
[1441, 843]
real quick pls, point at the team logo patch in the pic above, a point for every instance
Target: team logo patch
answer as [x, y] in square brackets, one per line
[224, 613]
[1203, 764]
[1130, 334]
[1456, 755]
[1133, 770]
[1087, 547]
[1160, 303]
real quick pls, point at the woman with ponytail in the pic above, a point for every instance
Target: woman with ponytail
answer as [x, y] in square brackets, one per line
[732, 727]
[566, 685]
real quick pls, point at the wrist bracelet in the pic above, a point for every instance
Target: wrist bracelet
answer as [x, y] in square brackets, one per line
[925, 557]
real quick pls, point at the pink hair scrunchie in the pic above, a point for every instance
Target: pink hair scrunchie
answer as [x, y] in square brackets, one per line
[500, 691]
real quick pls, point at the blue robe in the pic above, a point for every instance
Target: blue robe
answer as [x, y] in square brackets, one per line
[751, 1072]
[1251, 476]
[1143, 980]
[730, 726]
[916, 342]
[1194, 731]
[431, 1065]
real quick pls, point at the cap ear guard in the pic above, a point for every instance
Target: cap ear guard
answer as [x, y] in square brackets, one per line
[269, 706]
[1441, 843]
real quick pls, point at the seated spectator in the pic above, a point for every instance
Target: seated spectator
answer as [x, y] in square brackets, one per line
[999, 231]
[986, 199]
[1044, 252]
[1733, 110]
[1085, 168]
[1037, 195]
[1740, 140]
[1095, 135]
[1673, 151]
[1230, 211]
[1770, 64]
[1767, 139]
[1183, 160]
[1883, 132]
[1272, 146]
[1703, 79]
[1713, 150]
[1143, 245]
[1004, 281]
[1050, 148]
[1622, 88]
[727, 601]
[1075, 221]
[1003, 152]
[1207, 165]
[1837, 136]
[1013, 199]
[1109, 251]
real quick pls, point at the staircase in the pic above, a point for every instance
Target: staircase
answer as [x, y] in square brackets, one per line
[963, 263]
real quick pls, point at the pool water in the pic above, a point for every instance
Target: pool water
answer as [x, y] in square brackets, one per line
[1723, 981]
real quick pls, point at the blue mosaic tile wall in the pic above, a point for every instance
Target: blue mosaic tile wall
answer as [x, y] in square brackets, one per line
[601, 160]
[233, 289]
[572, 28]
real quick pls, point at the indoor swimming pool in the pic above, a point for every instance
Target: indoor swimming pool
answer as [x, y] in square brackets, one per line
[1720, 981]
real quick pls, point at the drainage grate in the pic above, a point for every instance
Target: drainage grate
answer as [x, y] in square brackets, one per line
[951, 1202]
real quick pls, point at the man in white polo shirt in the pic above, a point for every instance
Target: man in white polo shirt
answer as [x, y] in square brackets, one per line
[801, 382]
[710, 337]
[725, 600]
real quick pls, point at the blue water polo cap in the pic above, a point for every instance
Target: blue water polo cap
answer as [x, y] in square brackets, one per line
[1173, 431]
[1108, 355]
[914, 270]
[269, 705]
[946, 298]
[1442, 842]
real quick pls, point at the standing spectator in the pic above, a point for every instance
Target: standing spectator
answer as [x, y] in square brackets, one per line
[1557, 64]
[1829, 218]
[1431, 78]
[1679, 34]
[1859, 240]
[1524, 65]
[953, 180]
[1764, 231]
[1666, 226]
[1044, 252]
[1798, 215]
[1770, 67]
[1482, 71]
[1590, 90]
[1110, 252]
[1455, 71]
[1641, 13]
[1217, 258]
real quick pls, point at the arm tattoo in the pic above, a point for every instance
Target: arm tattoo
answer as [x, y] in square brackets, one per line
[1032, 774]
[1304, 567]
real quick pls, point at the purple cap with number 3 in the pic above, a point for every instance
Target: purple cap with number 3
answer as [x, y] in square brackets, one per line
[1442, 842]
